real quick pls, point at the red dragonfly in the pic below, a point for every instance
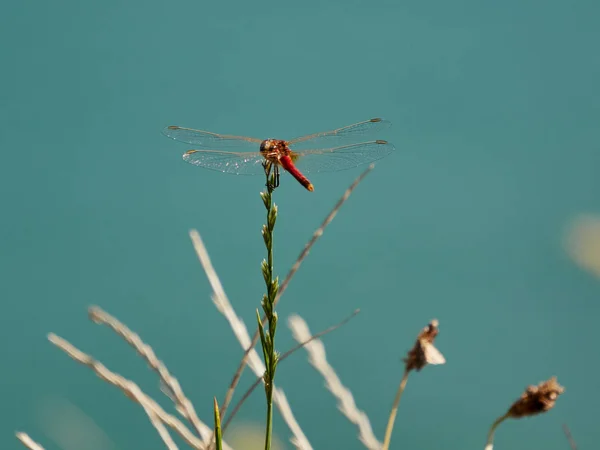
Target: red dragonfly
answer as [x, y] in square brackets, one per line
[327, 151]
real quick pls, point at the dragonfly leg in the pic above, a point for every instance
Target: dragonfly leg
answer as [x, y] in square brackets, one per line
[268, 166]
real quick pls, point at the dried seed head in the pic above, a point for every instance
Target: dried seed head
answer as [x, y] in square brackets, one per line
[536, 399]
[424, 352]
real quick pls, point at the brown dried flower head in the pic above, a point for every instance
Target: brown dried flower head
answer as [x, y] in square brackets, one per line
[424, 352]
[536, 399]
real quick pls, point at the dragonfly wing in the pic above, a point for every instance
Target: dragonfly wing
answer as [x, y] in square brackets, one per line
[341, 158]
[345, 135]
[226, 162]
[208, 140]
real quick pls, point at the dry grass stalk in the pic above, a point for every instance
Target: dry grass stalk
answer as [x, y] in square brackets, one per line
[28, 442]
[241, 332]
[316, 235]
[162, 430]
[298, 438]
[346, 405]
[131, 390]
[422, 353]
[569, 436]
[535, 400]
[184, 405]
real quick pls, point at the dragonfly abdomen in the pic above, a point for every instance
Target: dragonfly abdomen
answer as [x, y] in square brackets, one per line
[287, 164]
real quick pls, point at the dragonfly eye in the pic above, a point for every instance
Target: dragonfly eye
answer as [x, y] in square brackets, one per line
[266, 145]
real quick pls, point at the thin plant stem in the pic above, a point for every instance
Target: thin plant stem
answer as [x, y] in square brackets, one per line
[316, 235]
[247, 394]
[392, 418]
[269, 423]
[490, 439]
[569, 437]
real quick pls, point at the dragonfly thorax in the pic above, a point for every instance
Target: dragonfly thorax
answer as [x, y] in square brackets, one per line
[273, 148]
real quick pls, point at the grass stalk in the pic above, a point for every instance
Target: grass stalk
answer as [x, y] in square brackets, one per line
[28, 442]
[490, 438]
[392, 418]
[267, 337]
[569, 436]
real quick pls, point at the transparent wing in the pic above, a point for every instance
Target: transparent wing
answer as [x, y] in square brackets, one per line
[208, 140]
[226, 162]
[341, 158]
[346, 135]
[432, 354]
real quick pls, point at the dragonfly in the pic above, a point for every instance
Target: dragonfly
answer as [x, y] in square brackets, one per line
[328, 151]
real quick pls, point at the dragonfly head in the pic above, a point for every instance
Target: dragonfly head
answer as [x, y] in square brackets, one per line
[267, 146]
[273, 148]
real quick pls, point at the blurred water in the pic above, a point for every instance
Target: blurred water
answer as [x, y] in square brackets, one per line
[495, 110]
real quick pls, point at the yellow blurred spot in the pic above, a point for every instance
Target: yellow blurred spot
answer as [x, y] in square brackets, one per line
[250, 436]
[583, 242]
[69, 427]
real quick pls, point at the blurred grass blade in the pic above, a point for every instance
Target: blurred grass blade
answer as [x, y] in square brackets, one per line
[218, 436]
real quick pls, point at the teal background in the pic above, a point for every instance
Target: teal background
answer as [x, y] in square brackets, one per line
[495, 110]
